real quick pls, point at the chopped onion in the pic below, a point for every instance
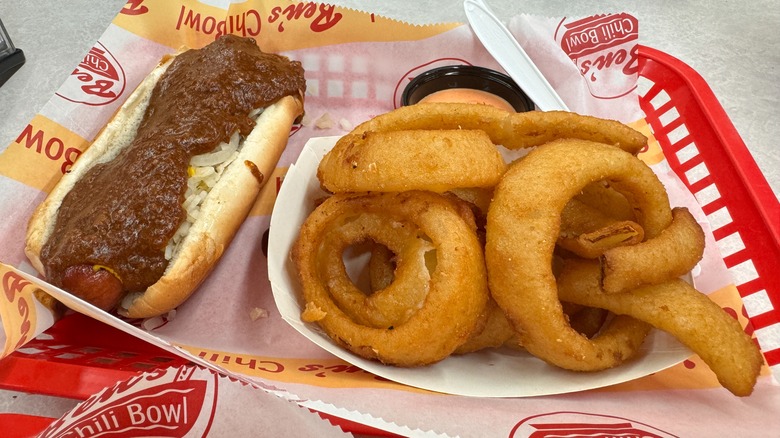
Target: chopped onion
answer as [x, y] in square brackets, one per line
[205, 171]
[202, 172]
[255, 113]
[211, 159]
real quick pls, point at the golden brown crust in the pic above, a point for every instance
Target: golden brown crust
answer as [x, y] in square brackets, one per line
[221, 214]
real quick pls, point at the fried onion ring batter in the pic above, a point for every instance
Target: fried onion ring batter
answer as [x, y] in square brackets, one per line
[457, 292]
[523, 225]
[406, 288]
[627, 267]
[675, 307]
[588, 232]
[411, 160]
[511, 130]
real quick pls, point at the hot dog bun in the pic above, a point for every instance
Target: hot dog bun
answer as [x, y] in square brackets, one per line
[221, 213]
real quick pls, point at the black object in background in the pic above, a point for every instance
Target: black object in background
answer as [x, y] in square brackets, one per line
[11, 58]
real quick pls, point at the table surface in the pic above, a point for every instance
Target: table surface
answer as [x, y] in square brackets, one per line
[733, 45]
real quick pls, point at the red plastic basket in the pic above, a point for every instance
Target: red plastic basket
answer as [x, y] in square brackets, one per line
[699, 141]
[704, 149]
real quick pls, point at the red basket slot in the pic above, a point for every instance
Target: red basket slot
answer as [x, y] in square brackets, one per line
[724, 169]
[79, 356]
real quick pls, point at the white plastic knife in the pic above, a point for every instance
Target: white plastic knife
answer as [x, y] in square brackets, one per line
[500, 43]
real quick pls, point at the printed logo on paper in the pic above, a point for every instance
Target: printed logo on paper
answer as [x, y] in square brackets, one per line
[604, 47]
[148, 405]
[134, 7]
[573, 424]
[17, 311]
[249, 22]
[98, 79]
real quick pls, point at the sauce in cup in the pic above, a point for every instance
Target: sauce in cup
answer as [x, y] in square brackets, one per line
[468, 95]
[465, 83]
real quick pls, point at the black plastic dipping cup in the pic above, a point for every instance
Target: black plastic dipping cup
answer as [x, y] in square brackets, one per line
[466, 76]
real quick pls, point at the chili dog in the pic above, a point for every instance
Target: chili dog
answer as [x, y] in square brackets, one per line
[148, 209]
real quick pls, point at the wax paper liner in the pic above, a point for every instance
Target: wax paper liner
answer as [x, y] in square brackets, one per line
[347, 83]
[189, 402]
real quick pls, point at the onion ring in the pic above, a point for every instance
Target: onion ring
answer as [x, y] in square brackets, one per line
[604, 198]
[411, 160]
[626, 267]
[593, 244]
[523, 225]
[458, 287]
[398, 300]
[387, 305]
[498, 332]
[679, 309]
[495, 332]
[511, 130]
[587, 232]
